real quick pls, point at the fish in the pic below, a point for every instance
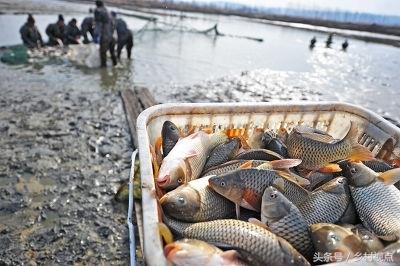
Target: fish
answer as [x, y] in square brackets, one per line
[256, 245]
[317, 151]
[337, 241]
[317, 179]
[376, 199]
[258, 154]
[186, 160]
[371, 242]
[327, 204]
[231, 166]
[195, 252]
[378, 165]
[170, 135]
[222, 153]
[197, 202]
[242, 164]
[272, 142]
[255, 140]
[285, 220]
[245, 187]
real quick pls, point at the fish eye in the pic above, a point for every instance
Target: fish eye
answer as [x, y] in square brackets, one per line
[180, 180]
[222, 184]
[172, 127]
[181, 200]
[273, 195]
[340, 181]
[353, 170]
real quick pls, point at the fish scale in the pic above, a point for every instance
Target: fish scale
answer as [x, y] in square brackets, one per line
[262, 248]
[378, 206]
[294, 229]
[325, 207]
[230, 166]
[315, 154]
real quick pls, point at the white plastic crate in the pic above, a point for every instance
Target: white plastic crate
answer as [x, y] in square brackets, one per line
[380, 136]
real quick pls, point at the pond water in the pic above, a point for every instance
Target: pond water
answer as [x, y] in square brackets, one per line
[168, 58]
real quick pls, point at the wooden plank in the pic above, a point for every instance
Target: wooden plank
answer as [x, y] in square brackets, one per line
[145, 97]
[132, 110]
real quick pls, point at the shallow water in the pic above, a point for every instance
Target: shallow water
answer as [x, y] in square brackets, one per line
[168, 58]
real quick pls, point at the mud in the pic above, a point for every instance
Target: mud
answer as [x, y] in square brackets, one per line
[65, 151]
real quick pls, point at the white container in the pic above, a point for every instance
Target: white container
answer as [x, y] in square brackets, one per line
[380, 136]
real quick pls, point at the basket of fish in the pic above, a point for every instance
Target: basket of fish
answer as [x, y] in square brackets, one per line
[268, 184]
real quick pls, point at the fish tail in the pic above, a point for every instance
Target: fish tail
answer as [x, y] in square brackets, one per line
[358, 152]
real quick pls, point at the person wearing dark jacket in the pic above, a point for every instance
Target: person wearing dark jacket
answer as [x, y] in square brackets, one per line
[30, 34]
[55, 31]
[87, 26]
[72, 33]
[105, 28]
[125, 36]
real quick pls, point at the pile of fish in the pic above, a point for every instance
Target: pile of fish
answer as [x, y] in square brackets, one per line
[275, 197]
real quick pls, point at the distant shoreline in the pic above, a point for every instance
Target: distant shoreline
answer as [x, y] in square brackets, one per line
[373, 28]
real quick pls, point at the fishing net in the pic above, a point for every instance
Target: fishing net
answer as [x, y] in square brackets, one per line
[15, 55]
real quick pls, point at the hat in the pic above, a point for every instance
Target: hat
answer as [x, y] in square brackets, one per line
[31, 19]
[113, 14]
[60, 17]
[99, 3]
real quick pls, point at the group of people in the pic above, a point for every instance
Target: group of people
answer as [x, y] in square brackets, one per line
[328, 42]
[101, 28]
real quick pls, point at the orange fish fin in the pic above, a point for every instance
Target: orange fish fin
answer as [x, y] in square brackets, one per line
[390, 177]
[330, 168]
[293, 177]
[360, 153]
[395, 163]
[208, 130]
[246, 165]
[318, 137]
[165, 233]
[154, 162]
[257, 222]
[282, 164]
[251, 200]
[243, 142]
[158, 144]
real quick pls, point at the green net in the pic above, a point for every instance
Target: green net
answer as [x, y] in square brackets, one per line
[15, 55]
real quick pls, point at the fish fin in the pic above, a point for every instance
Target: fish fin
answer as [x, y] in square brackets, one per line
[243, 142]
[395, 163]
[330, 168]
[360, 153]
[188, 173]
[293, 177]
[156, 166]
[318, 137]
[158, 144]
[251, 200]
[255, 221]
[279, 183]
[190, 154]
[230, 255]
[207, 130]
[389, 238]
[390, 177]
[246, 165]
[237, 210]
[165, 233]
[282, 164]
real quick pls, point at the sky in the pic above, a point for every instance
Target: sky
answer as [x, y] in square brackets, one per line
[382, 7]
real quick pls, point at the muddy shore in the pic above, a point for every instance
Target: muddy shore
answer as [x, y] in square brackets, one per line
[65, 151]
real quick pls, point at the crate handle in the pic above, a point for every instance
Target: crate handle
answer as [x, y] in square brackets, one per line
[132, 249]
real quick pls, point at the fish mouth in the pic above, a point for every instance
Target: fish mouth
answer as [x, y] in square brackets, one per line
[162, 182]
